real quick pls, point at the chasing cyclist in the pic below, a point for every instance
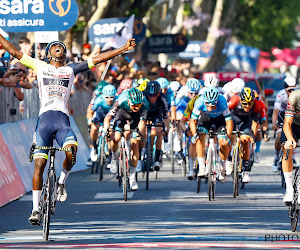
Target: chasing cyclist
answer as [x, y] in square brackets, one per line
[289, 138]
[211, 109]
[129, 113]
[100, 108]
[55, 81]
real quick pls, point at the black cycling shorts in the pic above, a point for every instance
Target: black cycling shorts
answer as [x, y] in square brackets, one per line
[207, 122]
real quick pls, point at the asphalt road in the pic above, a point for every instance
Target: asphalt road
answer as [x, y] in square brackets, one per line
[170, 214]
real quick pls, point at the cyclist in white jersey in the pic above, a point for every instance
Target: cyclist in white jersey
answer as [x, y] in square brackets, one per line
[280, 105]
[55, 80]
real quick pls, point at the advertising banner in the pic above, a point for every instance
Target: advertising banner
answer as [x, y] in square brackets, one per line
[102, 30]
[11, 186]
[196, 49]
[37, 15]
[169, 43]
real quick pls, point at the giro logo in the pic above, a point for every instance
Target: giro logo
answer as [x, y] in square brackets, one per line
[61, 10]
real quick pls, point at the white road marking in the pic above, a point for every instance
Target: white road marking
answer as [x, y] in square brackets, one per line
[264, 195]
[105, 196]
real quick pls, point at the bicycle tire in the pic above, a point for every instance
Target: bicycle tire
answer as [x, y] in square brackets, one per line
[294, 220]
[124, 177]
[172, 153]
[47, 204]
[183, 167]
[198, 184]
[101, 163]
[209, 170]
[148, 161]
[235, 172]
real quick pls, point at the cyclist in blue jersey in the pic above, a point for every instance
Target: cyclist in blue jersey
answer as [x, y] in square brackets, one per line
[211, 109]
[164, 84]
[100, 108]
[158, 115]
[129, 112]
[185, 94]
[55, 80]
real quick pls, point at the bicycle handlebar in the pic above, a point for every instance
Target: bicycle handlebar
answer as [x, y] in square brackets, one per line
[288, 153]
[34, 147]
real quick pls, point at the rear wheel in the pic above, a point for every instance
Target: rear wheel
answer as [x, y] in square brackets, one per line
[148, 160]
[198, 184]
[235, 172]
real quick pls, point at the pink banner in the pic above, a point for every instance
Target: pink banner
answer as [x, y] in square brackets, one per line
[229, 76]
[11, 185]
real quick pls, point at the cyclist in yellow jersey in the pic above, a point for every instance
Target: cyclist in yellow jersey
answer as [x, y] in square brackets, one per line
[192, 150]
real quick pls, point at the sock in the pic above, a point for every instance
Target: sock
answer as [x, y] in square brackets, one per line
[288, 176]
[257, 149]
[142, 154]
[157, 154]
[276, 155]
[36, 194]
[63, 176]
[192, 163]
[115, 155]
[132, 170]
[201, 162]
[223, 164]
[95, 144]
[165, 139]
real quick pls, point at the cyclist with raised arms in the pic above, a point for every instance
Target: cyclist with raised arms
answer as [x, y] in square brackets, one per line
[289, 139]
[158, 115]
[101, 106]
[245, 111]
[211, 109]
[129, 113]
[55, 80]
[280, 105]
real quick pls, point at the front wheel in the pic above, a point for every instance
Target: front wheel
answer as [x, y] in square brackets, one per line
[235, 172]
[102, 143]
[47, 207]
[209, 171]
[124, 170]
[172, 152]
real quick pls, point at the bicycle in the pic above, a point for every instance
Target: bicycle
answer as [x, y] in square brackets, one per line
[48, 197]
[212, 158]
[279, 167]
[294, 207]
[147, 159]
[185, 140]
[251, 160]
[237, 160]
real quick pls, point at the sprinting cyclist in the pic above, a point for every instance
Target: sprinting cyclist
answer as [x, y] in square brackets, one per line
[157, 115]
[280, 105]
[289, 138]
[100, 108]
[211, 109]
[55, 81]
[164, 84]
[192, 150]
[185, 94]
[245, 111]
[129, 113]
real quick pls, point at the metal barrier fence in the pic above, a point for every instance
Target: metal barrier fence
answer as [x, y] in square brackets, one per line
[12, 110]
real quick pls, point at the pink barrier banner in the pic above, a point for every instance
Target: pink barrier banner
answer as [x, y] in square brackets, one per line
[11, 185]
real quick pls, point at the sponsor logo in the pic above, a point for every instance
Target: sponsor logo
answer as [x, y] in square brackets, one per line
[61, 10]
[56, 88]
[21, 7]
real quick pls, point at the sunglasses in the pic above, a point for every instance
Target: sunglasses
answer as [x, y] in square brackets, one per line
[109, 97]
[136, 105]
[153, 95]
[247, 103]
[290, 90]
[213, 103]
[193, 93]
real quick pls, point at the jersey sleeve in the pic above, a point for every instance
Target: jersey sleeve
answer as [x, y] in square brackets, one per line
[189, 108]
[278, 100]
[114, 109]
[164, 107]
[32, 63]
[197, 108]
[144, 108]
[172, 99]
[181, 93]
[96, 104]
[290, 110]
[233, 103]
[224, 108]
[82, 66]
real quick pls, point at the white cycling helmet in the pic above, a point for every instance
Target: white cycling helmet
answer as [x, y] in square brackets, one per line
[211, 81]
[227, 87]
[289, 82]
[174, 85]
[237, 85]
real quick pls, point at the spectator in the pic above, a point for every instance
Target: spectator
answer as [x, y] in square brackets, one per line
[25, 46]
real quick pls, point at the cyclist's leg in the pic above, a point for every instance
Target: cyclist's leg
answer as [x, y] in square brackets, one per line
[258, 139]
[287, 165]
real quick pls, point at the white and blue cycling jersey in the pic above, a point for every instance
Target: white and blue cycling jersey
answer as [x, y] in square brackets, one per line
[221, 108]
